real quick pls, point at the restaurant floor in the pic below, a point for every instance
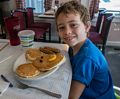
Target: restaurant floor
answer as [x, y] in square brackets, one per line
[112, 55]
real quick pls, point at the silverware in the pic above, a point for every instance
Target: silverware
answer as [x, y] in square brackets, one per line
[53, 94]
[6, 80]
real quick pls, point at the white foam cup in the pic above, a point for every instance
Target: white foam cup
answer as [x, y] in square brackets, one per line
[26, 37]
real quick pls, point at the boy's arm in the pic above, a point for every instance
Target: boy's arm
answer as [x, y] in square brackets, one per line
[76, 90]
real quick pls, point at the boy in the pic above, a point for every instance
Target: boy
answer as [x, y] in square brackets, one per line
[91, 78]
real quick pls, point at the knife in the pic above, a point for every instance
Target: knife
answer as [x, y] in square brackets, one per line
[6, 80]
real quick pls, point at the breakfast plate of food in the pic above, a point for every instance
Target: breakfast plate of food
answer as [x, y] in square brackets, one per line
[38, 63]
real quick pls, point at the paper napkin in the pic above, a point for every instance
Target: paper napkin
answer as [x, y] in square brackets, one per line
[3, 86]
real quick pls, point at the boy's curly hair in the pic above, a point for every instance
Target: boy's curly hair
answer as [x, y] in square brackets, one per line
[75, 8]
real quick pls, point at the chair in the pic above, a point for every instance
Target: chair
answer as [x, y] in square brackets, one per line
[39, 32]
[99, 20]
[32, 24]
[100, 39]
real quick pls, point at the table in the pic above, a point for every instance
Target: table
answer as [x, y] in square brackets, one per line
[46, 16]
[49, 14]
[58, 82]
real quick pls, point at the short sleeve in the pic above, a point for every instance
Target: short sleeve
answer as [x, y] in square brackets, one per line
[84, 70]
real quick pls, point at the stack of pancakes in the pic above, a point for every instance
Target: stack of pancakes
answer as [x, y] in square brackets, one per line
[39, 60]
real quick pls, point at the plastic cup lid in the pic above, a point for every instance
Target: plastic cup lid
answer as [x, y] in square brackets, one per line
[26, 33]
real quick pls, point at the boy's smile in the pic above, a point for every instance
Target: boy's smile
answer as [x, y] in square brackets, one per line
[71, 29]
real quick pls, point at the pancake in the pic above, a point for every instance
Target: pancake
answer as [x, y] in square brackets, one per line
[27, 70]
[46, 51]
[32, 53]
[55, 50]
[44, 64]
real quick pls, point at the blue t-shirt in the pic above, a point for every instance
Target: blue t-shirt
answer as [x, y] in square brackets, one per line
[90, 67]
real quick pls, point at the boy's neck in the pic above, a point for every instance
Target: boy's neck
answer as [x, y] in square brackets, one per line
[77, 47]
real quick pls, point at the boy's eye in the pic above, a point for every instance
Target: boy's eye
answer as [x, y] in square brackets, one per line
[60, 28]
[74, 25]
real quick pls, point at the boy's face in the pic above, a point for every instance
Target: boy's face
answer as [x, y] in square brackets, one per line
[71, 29]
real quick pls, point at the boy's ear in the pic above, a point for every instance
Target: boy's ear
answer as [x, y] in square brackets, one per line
[88, 25]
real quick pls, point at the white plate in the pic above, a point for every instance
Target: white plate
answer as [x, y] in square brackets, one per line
[21, 60]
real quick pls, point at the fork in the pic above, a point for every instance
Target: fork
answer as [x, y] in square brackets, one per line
[53, 94]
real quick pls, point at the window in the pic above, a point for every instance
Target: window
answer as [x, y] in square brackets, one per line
[111, 5]
[37, 4]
